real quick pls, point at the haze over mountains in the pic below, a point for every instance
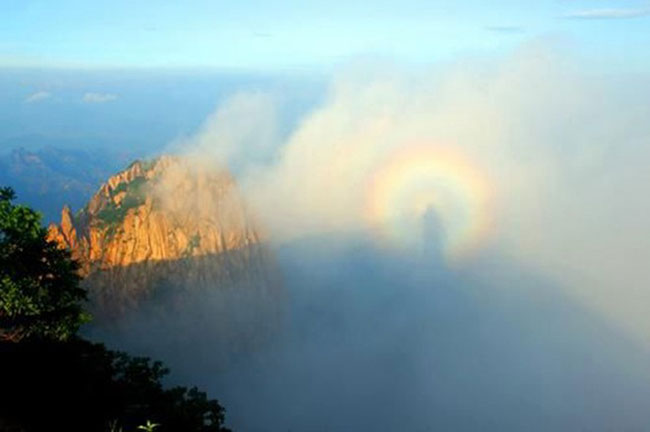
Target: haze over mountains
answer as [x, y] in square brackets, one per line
[48, 177]
[178, 268]
[58, 148]
[129, 110]
[461, 248]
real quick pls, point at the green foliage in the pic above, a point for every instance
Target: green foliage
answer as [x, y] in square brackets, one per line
[148, 164]
[134, 187]
[112, 214]
[148, 427]
[78, 385]
[53, 380]
[195, 241]
[40, 294]
[145, 164]
[135, 196]
[119, 188]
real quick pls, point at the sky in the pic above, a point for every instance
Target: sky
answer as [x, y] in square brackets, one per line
[142, 109]
[309, 34]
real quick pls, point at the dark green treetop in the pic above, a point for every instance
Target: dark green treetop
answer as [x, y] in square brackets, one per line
[40, 295]
[58, 380]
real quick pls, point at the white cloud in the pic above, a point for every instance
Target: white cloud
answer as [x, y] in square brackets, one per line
[98, 97]
[566, 164]
[242, 130]
[608, 13]
[38, 96]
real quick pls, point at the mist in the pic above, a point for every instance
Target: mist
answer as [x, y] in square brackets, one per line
[499, 287]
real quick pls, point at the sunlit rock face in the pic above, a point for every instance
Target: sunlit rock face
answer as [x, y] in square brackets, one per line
[166, 230]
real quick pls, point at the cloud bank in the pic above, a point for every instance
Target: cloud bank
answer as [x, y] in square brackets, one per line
[608, 13]
[461, 247]
[38, 96]
[555, 165]
[98, 97]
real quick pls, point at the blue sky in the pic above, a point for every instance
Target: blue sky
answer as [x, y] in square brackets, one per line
[93, 69]
[309, 34]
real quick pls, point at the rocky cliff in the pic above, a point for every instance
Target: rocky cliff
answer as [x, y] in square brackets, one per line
[161, 229]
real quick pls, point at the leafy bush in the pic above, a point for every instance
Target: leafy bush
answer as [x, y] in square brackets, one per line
[40, 294]
[78, 385]
[53, 380]
[195, 241]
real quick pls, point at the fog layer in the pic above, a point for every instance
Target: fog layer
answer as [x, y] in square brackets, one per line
[505, 289]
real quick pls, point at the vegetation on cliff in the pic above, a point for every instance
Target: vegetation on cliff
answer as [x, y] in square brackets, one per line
[114, 212]
[53, 379]
[172, 213]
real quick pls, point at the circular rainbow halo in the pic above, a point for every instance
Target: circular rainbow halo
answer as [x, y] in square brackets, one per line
[420, 189]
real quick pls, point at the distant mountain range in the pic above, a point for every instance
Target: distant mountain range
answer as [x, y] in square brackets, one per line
[49, 177]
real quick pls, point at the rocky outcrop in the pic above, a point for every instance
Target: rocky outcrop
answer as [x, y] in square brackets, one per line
[168, 225]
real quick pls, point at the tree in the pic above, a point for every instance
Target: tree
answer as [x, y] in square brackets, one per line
[40, 295]
[51, 379]
[77, 385]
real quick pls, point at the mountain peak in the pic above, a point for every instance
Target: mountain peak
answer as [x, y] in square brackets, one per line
[167, 210]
